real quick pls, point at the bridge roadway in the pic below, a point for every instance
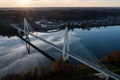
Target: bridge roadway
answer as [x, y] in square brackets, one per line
[39, 50]
[80, 59]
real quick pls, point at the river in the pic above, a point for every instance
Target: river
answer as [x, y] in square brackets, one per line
[97, 41]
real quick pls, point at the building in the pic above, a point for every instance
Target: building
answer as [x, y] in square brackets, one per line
[48, 24]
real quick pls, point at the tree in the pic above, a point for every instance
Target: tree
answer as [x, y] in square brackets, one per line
[107, 58]
[116, 56]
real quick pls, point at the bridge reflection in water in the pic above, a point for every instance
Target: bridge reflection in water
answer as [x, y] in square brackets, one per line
[65, 51]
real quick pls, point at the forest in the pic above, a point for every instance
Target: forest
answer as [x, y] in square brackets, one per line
[59, 13]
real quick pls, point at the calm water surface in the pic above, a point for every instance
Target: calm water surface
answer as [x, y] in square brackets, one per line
[98, 41]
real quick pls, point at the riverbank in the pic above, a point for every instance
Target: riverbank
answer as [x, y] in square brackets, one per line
[60, 70]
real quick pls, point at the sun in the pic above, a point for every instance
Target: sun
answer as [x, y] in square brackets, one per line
[24, 1]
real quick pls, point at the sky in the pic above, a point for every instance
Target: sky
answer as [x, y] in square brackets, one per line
[59, 3]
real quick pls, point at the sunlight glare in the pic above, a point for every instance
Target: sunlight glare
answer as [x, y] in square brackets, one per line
[24, 1]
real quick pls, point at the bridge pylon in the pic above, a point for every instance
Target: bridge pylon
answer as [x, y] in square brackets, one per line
[66, 47]
[26, 29]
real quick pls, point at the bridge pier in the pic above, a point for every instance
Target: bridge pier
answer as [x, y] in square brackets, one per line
[19, 32]
[107, 77]
[66, 47]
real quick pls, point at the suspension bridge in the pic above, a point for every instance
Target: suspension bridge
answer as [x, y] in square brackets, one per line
[65, 50]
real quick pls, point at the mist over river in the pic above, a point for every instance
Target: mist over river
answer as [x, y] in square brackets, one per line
[14, 57]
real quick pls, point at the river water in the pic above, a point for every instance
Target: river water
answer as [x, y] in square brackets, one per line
[97, 41]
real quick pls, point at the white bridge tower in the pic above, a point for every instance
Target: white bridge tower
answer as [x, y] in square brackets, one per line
[66, 47]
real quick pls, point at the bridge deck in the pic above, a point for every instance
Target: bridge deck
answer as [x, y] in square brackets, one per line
[80, 59]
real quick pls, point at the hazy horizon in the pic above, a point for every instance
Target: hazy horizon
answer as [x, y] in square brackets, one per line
[60, 3]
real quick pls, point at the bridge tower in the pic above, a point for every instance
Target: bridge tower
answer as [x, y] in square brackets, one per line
[66, 47]
[26, 29]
